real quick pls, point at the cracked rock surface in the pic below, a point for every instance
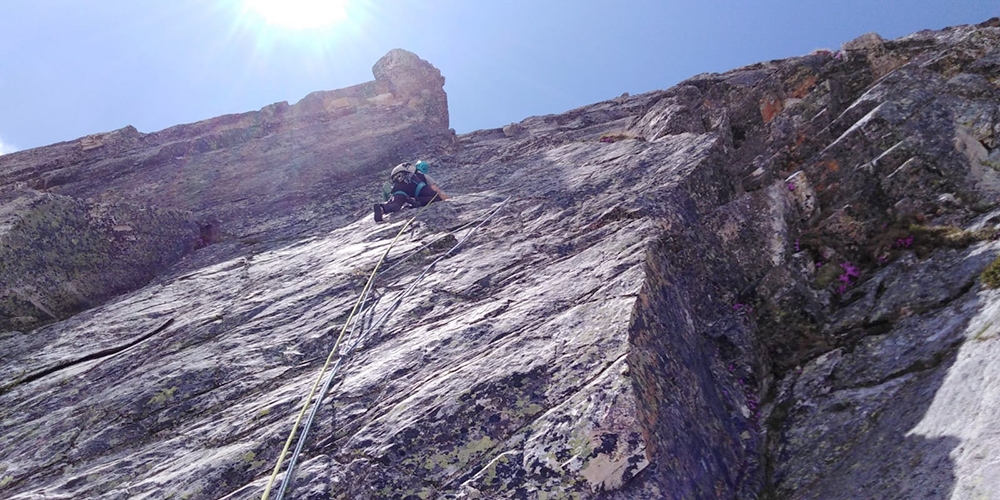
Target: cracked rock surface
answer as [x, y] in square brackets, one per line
[757, 284]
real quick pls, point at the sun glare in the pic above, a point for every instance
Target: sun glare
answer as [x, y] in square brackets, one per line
[300, 14]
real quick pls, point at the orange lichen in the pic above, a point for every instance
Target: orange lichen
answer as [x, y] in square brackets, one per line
[802, 88]
[770, 108]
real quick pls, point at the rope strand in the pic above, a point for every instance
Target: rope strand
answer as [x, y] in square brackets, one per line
[365, 331]
[312, 392]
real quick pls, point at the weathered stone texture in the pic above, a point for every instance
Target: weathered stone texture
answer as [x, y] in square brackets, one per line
[263, 172]
[757, 284]
[59, 255]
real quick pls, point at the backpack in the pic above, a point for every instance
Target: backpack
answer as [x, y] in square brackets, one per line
[415, 178]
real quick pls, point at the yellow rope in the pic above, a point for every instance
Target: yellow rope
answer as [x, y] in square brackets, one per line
[312, 392]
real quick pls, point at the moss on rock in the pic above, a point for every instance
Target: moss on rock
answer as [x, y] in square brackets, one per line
[60, 255]
[991, 275]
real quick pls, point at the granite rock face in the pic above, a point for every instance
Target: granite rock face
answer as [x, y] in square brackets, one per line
[268, 174]
[757, 284]
[60, 255]
[264, 172]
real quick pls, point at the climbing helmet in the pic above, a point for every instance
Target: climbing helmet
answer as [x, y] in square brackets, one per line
[402, 167]
[401, 176]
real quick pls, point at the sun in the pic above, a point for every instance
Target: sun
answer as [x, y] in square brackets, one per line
[300, 14]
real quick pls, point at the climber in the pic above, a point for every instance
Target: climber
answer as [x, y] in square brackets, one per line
[410, 185]
[422, 167]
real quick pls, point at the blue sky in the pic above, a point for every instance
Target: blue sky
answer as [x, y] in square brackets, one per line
[70, 68]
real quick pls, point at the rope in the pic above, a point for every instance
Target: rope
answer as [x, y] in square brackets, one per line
[479, 195]
[312, 392]
[365, 331]
[409, 289]
[290, 475]
[422, 247]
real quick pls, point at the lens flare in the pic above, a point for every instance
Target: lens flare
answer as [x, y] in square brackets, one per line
[300, 14]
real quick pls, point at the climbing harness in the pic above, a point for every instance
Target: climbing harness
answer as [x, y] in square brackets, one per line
[365, 331]
[416, 192]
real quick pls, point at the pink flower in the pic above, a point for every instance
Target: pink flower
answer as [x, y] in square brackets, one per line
[847, 277]
[850, 270]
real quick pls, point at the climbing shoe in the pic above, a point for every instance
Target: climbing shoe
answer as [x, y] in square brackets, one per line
[378, 212]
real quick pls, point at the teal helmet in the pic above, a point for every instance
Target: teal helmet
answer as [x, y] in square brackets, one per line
[422, 166]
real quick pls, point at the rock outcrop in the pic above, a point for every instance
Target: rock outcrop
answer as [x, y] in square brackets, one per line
[263, 173]
[59, 255]
[758, 284]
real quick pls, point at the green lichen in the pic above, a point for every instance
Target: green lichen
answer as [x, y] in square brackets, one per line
[567, 495]
[991, 275]
[162, 396]
[6, 480]
[460, 455]
[533, 409]
[190, 494]
[491, 470]
[250, 458]
[982, 333]
[580, 446]
[827, 274]
[995, 165]
[620, 136]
